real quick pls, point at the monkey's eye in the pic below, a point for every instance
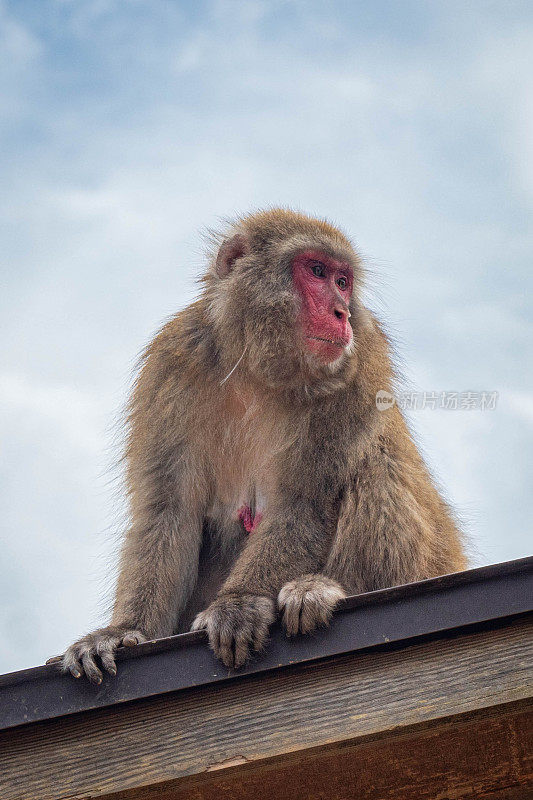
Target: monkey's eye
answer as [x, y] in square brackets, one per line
[342, 283]
[318, 270]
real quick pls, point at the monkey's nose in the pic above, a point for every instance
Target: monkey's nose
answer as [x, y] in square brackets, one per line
[342, 311]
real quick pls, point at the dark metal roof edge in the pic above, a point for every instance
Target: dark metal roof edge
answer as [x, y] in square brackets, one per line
[441, 582]
[397, 614]
[355, 601]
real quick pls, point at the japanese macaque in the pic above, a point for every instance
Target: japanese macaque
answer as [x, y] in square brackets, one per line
[262, 475]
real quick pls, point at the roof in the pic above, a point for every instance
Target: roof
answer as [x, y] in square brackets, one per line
[487, 596]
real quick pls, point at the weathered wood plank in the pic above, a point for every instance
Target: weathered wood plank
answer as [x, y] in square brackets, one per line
[251, 719]
[473, 756]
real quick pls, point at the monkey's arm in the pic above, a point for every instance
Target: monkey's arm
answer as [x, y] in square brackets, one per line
[159, 559]
[393, 528]
[159, 565]
[291, 540]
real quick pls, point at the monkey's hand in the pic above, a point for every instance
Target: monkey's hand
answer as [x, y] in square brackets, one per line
[308, 603]
[97, 648]
[236, 626]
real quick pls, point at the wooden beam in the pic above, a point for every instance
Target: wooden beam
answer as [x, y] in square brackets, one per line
[473, 756]
[448, 718]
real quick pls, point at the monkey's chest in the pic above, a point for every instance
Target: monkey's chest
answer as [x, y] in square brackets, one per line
[244, 476]
[241, 501]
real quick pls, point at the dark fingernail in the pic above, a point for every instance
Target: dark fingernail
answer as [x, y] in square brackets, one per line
[76, 673]
[112, 671]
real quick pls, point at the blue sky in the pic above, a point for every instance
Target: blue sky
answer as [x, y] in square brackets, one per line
[128, 127]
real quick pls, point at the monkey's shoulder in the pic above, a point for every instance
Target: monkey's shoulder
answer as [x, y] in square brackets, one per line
[185, 343]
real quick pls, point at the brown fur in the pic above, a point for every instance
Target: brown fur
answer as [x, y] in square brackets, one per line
[349, 505]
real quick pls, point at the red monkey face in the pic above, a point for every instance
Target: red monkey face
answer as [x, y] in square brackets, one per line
[325, 287]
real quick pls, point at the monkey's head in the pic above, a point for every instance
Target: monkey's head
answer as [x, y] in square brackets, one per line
[283, 290]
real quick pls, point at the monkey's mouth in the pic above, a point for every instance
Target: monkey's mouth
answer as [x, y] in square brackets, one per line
[327, 349]
[336, 342]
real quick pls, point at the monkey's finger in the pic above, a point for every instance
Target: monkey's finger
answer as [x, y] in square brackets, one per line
[133, 638]
[215, 640]
[290, 622]
[260, 636]
[70, 663]
[314, 614]
[227, 655]
[91, 670]
[240, 649]
[291, 616]
[223, 643]
[105, 649]
[108, 661]
[199, 622]
[54, 660]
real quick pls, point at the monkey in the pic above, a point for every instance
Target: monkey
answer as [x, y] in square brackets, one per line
[262, 477]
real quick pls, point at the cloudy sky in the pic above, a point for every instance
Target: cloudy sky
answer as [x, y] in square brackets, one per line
[128, 126]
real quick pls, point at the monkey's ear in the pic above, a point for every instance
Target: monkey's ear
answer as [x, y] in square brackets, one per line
[230, 251]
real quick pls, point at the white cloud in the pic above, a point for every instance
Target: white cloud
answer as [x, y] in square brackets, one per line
[74, 414]
[521, 404]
